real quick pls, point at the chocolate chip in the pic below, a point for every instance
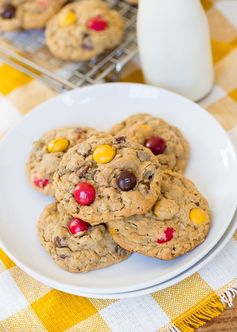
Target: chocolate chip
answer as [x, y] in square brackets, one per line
[121, 139]
[57, 242]
[87, 42]
[8, 11]
[126, 181]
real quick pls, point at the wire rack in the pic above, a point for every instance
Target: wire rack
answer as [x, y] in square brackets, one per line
[27, 52]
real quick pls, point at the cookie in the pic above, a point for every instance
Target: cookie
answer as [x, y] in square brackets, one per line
[47, 153]
[27, 14]
[178, 223]
[107, 178]
[164, 140]
[84, 29]
[74, 244]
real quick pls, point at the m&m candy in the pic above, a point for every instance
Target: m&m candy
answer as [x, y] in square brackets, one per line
[58, 145]
[198, 216]
[156, 144]
[77, 225]
[168, 235]
[84, 193]
[104, 153]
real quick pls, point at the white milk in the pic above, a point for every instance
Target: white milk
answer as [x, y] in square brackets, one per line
[174, 46]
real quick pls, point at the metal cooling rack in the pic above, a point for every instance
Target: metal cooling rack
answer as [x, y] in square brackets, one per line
[27, 52]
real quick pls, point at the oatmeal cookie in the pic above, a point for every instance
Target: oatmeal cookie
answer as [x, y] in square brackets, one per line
[48, 151]
[179, 222]
[107, 178]
[27, 14]
[164, 140]
[84, 29]
[74, 244]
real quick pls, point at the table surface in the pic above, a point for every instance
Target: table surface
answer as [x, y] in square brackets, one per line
[227, 322]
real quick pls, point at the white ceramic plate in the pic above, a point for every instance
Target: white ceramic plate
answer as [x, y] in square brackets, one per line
[196, 267]
[212, 166]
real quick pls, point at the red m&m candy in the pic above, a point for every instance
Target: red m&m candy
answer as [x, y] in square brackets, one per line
[156, 144]
[41, 183]
[84, 193]
[77, 225]
[168, 235]
[97, 24]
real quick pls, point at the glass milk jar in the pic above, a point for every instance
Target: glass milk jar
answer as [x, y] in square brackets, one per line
[174, 46]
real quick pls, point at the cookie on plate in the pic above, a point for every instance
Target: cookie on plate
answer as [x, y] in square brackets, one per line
[164, 140]
[47, 153]
[27, 14]
[179, 222]
[107, 178]
[84, 29]
[74, 244]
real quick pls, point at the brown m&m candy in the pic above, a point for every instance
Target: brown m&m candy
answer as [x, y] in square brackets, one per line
[126, 181]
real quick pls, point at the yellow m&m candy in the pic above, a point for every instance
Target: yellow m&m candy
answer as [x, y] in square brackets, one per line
[198, 216]
[68, 19]
[58, 145]
[104, 153]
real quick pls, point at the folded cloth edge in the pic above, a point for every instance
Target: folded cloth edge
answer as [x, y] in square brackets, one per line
[208, 308]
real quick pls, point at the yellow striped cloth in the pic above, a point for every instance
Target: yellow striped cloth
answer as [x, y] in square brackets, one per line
[27, 305]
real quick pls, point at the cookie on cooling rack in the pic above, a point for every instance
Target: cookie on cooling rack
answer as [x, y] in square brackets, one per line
[166, 141]
[47, 153]
[27, 14]
[84, 29]
[74, 244]
[179, 222]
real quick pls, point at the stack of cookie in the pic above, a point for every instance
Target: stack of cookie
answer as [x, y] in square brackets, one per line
[27, 14]
[76, 31]
[117, 192]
